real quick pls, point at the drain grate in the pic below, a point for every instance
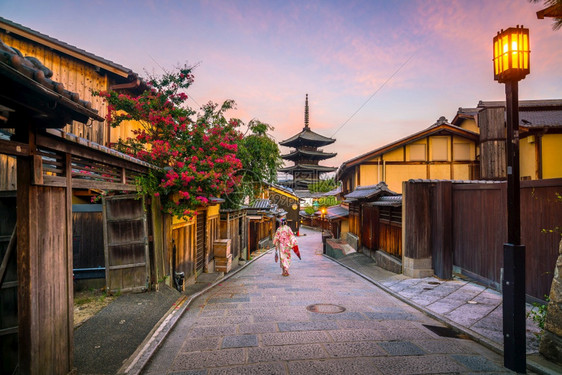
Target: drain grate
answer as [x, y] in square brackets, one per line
[445, 332]
[434, 283]
[325, 308]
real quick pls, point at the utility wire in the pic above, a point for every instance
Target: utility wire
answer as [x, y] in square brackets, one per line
[166, 72]
[375, 93]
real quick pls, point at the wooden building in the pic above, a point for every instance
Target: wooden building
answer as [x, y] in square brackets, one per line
[306, 156]
[442, 151]
[540, 137]
[49, 165]
[286, 200]
[45, 170]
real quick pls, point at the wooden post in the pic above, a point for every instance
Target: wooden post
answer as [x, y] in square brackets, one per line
[442, 256]
[45, 325]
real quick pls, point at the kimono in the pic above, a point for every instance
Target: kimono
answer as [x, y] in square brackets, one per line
[284, 241]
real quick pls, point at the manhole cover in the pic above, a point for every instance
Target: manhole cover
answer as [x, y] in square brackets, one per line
[325, 308]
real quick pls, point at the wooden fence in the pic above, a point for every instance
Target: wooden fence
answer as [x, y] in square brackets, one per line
[478, 222]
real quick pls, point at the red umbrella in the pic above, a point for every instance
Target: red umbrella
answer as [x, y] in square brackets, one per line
[297, 252]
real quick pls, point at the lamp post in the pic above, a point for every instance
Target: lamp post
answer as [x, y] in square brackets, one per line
[512, 64]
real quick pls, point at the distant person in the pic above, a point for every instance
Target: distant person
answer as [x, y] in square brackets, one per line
[284, 242]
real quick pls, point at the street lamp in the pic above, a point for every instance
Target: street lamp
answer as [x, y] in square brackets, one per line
[512, 64]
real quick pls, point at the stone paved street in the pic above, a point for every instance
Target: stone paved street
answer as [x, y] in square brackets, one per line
[257, 322]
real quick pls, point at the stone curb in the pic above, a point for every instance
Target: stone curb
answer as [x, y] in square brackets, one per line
[492, 345]
[138, 360]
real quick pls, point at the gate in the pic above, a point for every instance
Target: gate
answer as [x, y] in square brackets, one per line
[127, 265]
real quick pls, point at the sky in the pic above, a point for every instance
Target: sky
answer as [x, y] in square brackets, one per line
[375, 71]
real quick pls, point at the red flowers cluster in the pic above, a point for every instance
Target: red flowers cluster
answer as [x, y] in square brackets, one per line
[197, 157]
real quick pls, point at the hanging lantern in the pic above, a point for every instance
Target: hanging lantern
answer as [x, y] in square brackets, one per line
[511, 54]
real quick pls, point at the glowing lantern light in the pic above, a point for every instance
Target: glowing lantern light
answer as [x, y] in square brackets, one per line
[511, 54]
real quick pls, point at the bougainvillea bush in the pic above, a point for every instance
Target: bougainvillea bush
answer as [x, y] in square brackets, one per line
[196, 152]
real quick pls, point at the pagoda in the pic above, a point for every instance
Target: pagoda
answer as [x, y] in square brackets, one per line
[306, 156]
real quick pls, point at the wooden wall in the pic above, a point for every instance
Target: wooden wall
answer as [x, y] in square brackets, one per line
[479, 228]
[8, 180]
[87, 244]
[233, 225]
[417, 235]
[390, 230]
[492, 143]
[75, 75]
[44, 276]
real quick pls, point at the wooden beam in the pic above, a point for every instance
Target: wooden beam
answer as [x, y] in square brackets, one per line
[13, 148]
[84, 151]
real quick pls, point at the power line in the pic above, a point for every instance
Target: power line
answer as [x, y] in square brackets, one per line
[375, 93]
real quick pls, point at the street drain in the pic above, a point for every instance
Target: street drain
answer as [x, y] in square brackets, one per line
[325, 308]
[434, 283]
[445, 332]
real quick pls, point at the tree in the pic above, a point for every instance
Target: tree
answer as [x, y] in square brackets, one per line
[260, 158]
[197, 158]
[322, 186]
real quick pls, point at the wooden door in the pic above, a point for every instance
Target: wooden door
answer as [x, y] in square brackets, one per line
[127, 264]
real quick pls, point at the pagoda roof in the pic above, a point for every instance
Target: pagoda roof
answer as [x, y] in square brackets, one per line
[307, 137]
[308, 154]
[307, 167]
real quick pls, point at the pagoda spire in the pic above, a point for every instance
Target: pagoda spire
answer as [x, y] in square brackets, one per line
[306, 113]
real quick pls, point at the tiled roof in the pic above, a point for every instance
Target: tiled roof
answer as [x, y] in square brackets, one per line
[307, 154]
[366, 192]
[14, 27]
[523, 104]
[541, 119]
[388, 200]
[308, 167]
[335, 212]
[307, 136]
[28, 73]
[261, 204]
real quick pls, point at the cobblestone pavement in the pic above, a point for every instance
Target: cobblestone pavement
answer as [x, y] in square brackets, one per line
[259, 322]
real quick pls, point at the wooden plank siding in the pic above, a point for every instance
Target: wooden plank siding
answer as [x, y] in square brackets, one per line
[76, 76]
[390, 230]
[479, 229]
[87, 244]
[45, 288]
[541, 211]
[478, 217]
[417, 235]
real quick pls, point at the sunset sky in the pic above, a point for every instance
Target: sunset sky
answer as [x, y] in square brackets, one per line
[416, 60]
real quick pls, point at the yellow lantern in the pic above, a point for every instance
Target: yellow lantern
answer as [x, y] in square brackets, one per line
[511, 54]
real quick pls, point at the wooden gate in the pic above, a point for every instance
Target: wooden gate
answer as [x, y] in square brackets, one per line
[127, 265]
[201, 230]
[369, 227]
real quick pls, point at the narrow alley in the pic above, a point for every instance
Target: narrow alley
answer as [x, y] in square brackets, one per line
[323, 319]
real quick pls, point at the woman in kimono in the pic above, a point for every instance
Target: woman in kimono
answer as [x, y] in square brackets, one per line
[284, 241]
